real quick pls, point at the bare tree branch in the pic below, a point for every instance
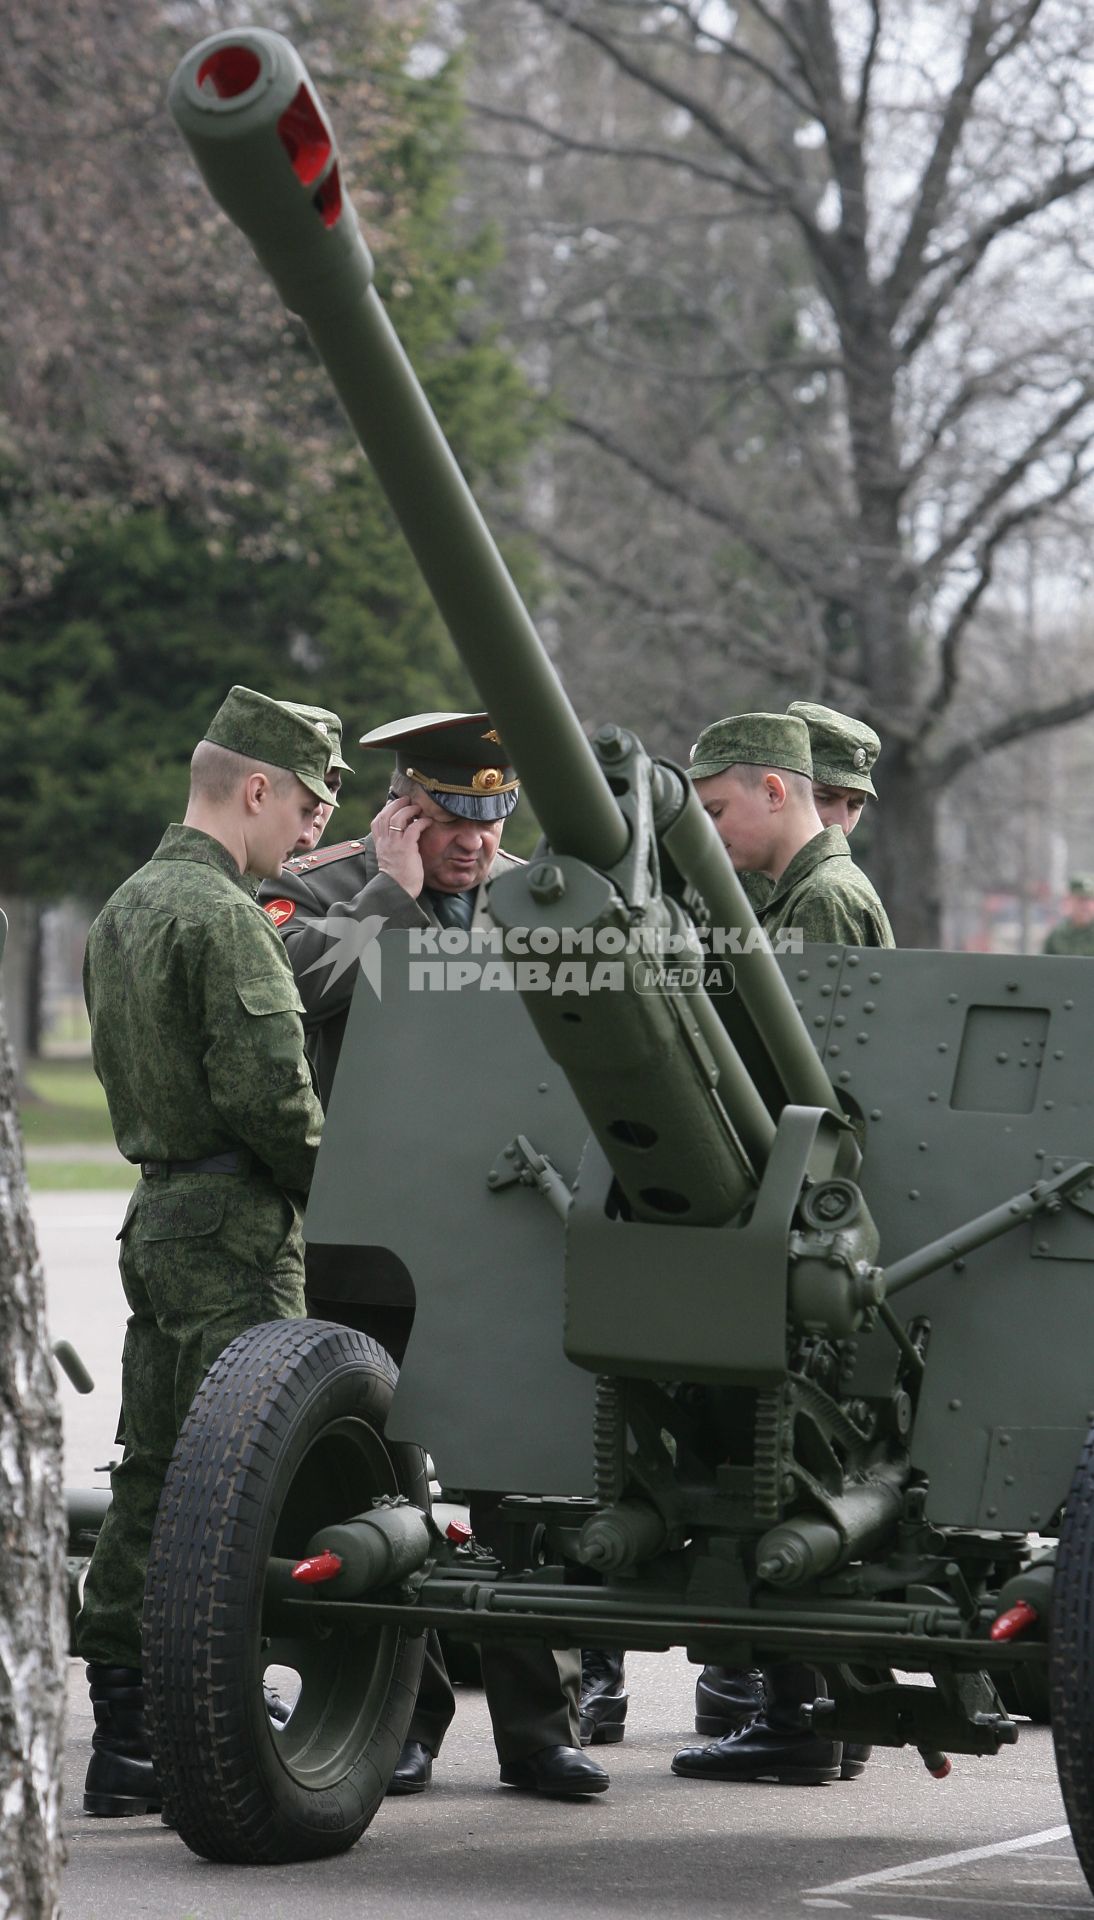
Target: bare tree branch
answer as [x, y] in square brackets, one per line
[1012, 473]
[621, 150]
[949, 649]
[967, 257]
[863, 100]
[1018, 726]
[784, 191]
[789, 567]
[742, 55]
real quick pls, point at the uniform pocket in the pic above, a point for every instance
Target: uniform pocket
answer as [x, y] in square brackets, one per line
[187, 1213]
[270, 993]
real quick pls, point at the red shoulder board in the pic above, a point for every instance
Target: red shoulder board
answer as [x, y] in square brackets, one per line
[307, 862]
[280, 911]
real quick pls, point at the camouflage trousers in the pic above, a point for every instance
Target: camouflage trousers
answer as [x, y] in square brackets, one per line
[203, 1257]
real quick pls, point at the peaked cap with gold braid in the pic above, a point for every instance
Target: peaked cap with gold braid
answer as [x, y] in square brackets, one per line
[456, 757]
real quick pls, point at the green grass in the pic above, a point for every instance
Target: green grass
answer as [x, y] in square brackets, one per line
[72, 1176]
[69, 1107]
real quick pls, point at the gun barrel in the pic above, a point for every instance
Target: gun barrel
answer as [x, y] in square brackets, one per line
[246, 107]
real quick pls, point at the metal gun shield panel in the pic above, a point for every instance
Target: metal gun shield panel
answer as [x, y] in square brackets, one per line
[430, 1088]
[972, 1075]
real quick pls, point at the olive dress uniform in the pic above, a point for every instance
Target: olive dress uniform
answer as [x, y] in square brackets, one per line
[196, 1036]
[532, 1691]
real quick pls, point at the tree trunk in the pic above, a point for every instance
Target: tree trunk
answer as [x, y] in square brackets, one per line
[33, 1620]
[20, 980]
[905, 862]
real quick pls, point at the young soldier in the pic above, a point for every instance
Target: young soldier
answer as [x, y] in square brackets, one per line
[844, 752]
[757, 778]
[754, 775]
[330, 726]
[196, 1037]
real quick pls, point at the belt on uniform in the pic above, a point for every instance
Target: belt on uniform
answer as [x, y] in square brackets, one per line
[212, 1163]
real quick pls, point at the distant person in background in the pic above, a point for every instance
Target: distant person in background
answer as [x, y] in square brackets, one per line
[1075, 932]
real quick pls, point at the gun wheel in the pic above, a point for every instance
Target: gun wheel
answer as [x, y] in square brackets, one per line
[286, 1435]
[1071, 1660]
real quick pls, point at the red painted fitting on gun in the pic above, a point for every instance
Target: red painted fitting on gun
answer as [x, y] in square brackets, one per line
[323, 1566]
[1014, 1621]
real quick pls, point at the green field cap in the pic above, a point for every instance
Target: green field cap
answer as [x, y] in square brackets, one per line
[325, 722]
[1082, 884]
[754, 740]
[250, 724]
[456, 757]
[844, 750]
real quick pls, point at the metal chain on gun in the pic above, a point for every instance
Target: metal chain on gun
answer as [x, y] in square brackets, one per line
[767, 1450]
[609, 1438]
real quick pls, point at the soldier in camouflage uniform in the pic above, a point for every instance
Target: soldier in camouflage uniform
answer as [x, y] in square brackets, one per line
[751, 772]
[432, 846]
[754, 775]
[196, 1037]
[1075, 933]
[843, 752]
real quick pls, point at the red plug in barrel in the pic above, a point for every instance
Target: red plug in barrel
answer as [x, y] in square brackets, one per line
[322, 1566]
[1014, 1621]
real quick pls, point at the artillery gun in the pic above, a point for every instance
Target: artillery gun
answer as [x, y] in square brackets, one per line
[768, 1311]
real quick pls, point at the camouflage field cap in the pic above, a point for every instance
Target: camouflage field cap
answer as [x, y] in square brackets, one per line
[844, 750]
[754, 740]
[458, 759]
[1082, 885]
[326, 723]
[262, 729]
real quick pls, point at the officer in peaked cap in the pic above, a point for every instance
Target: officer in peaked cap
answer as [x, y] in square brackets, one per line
[432, 847]
[330, 726]
[1075, 932]
[196, 1037]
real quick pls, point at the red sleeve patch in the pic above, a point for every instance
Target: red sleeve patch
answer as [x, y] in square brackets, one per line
[280, 911]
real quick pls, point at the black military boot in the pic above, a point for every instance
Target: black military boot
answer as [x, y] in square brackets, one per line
[727, 1698]
[120, 1778]
[603, 1705]
[774, 1746]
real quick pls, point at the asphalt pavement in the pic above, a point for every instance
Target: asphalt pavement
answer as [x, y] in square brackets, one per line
[989, 1841]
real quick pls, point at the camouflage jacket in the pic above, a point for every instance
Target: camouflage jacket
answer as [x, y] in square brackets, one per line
[317, 891]
[1067, 938]
[758, 890]
[195, 1018]
[828, 897]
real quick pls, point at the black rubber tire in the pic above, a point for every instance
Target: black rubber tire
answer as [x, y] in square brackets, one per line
[1071, 1660]
[284, 1436]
